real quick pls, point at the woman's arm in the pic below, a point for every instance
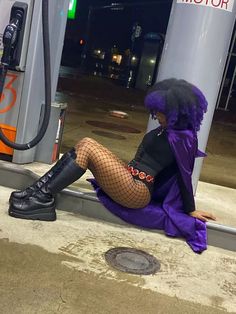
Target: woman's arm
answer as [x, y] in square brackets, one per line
[187, 197]
[189, 203]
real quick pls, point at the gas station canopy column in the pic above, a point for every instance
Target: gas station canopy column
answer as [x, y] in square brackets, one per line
[196, 48]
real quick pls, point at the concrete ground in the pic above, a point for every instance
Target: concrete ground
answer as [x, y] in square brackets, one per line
[59, 267]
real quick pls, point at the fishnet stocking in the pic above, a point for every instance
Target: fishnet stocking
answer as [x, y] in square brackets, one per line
[111, 174]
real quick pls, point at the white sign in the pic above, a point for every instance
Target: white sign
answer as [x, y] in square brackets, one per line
[72, 2]
[226, 5]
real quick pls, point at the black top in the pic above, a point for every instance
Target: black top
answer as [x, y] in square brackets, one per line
[155, 157]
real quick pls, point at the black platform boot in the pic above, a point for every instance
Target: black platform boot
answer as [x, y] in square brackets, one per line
[40, 205]
[16, 195]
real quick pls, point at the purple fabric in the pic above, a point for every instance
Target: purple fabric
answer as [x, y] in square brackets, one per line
[165, 211]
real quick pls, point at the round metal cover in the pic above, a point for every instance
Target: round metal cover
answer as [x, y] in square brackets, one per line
[132, 261]
[109, 135]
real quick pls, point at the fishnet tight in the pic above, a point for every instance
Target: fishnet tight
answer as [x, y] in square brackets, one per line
[111, 174]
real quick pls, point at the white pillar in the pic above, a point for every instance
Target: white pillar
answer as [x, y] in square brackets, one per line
[196, 48]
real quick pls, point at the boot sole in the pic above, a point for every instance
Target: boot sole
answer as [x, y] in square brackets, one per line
[43, 214]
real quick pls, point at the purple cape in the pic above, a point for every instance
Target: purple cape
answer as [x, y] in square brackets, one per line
[165, 210]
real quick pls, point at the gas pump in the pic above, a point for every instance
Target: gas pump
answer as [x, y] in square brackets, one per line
[12, 46]
[26, 87]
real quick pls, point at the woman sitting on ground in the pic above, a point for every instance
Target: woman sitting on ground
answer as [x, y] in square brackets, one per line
[155, 189]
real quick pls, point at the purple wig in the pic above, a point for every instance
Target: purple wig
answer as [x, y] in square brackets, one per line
[182, 103]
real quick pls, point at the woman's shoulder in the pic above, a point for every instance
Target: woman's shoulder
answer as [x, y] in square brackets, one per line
[181, 135]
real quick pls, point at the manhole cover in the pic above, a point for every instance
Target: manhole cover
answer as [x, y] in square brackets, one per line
[113, 126]
[109, 135]
[132, 261]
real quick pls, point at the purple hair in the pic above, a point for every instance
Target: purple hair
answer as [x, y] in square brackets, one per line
[183, 103]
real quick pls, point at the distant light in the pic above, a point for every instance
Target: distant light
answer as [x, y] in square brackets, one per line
[117, 9]
[117, 58]
[152, 61]
[81, 41]
[133, 58]
[98, 51]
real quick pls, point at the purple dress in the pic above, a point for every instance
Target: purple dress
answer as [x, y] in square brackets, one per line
[165, 210]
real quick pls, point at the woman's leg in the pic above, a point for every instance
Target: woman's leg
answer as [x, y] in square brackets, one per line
[111, 174]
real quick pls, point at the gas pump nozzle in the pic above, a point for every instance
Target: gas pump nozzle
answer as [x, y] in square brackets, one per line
[10, 37]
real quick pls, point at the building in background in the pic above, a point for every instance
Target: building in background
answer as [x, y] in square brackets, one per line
[115, 38]
[124, 42]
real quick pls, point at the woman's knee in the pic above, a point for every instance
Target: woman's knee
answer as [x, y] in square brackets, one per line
[85, 142]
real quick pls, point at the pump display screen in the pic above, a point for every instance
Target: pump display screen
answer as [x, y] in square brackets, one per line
[72, 9]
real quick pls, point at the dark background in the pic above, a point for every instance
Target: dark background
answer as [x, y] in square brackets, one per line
[108, 27]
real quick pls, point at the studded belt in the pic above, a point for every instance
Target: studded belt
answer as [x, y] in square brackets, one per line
[140, 174]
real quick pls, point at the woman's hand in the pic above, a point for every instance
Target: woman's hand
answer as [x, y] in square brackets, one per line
[202, 215]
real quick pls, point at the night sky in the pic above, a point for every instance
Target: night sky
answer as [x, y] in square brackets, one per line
[107, 22]
[114, 27]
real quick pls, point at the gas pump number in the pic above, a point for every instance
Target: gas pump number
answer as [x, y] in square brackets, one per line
[9, 89]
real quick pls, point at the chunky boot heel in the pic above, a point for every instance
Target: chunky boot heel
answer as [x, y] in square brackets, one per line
[39, 206]
[41, 214]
